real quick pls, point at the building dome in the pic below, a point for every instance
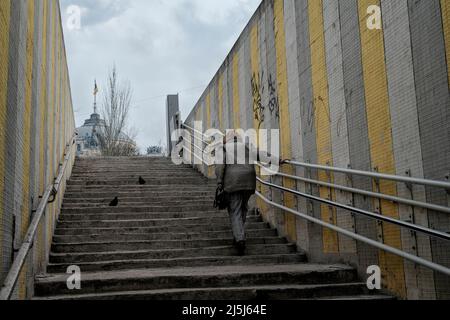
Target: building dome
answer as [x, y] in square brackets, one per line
[87, 141]
[87, 135]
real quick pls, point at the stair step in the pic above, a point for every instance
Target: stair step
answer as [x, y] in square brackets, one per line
[102, 193]
[120, 209]
[138, 216]
[125, 183]
[149, 199]
[100, 266]
[149, 203]
[144, 245]
[170, 253]
[127, 223]
[160, 236]
[200, 277]
[169, 229]
[268, 292]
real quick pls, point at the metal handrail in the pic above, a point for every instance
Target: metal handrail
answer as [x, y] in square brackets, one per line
[375, 175]
[194, 154]
[372, 215]
[17, 266]
[371, 194]
[196, 131]
[394, 199]
[200, 133]
[357, 237]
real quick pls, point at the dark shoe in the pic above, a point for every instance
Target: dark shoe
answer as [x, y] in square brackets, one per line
[240, 246]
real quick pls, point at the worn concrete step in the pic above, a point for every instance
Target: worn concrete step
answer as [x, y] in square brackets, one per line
[275, 259]
[153, 245]
[146, 173]
[129, 164]
[149, 202]
[203, 235]
[151, 198]
[169, 229]
[164, 189]
[254, 250]
[134, 170]
[134, 176]
[109, 163]
[140, 216]
[102, 194]
[128, 180]
[126, 162]
[125, 183]
[199, 277]
[268, 292]
[128, 223]
[139, 209]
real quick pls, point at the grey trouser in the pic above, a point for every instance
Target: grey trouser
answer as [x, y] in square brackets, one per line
[238, 209]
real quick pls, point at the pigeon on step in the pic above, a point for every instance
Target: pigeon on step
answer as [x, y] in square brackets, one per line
[142, 181]
[114, 203]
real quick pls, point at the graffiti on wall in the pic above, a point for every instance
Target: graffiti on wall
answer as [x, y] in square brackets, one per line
[274, 105]
[258, 89]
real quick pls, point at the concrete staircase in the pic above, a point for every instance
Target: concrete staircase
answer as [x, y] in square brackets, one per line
[165, 241]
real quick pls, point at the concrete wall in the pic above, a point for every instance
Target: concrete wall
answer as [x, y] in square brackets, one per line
[172, 108]
[348, 96]
[36, 124]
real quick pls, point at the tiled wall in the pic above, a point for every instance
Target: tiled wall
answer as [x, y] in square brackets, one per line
[348, 96]
[36, 124]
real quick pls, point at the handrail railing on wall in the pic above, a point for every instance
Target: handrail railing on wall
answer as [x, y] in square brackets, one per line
[374, 175]
[355, 236]
[370, 194]
[49, 196]
[376, 216]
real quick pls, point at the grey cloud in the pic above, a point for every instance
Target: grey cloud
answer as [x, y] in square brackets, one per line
[98, 11]
[162, 47]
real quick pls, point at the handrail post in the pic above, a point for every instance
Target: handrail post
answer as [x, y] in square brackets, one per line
[412, 218]
[349, 178]
[310, 187]
[378, 207]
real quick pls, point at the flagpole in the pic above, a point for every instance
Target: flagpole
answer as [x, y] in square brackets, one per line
[95, 97]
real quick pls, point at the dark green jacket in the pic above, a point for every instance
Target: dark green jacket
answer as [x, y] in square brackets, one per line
[240, 174]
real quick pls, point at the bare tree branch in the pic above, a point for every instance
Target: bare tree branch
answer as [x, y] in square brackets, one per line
[117, 98]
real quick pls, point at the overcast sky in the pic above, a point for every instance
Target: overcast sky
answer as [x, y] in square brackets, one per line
[161, 46]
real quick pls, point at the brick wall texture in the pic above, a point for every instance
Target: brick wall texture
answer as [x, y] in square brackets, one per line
[36, 125]
[349, 96]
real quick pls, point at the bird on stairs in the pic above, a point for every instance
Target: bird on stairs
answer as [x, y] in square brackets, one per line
[142, 181]
[114, 203]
